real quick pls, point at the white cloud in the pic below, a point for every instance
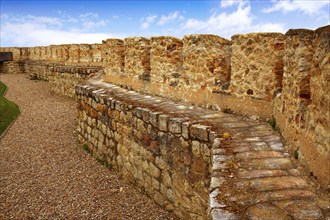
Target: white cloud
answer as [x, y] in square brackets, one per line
[170, 17]
[228, 3]
[33, 31]
[147, 21]
[307, 7]
[94, 24]
[89, 15]
[225, 24]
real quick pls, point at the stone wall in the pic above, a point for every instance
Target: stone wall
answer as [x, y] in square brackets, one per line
[137, 58]
[113, 56]
[166, 60]
[261, 75]
[257, 65]
[96, 53]
[63, 79]
[15, 67]
[302, 110]
[167, 156]
[206, 62]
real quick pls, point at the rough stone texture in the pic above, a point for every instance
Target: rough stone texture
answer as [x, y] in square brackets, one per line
[64, 53]
[257, 65]
[55, 54]
[302, 109]
[113, 54]
[74, 53]
[166, 60]
[85, 56]
[206, 61]
[319, 108]
[96, 54]
[31, 53]
[153, 158]
[43, 54]
[48, 54]
[297, 72]
[137, 58]
[252, 175]
[24, 53]
[64, 79]
[14, 67]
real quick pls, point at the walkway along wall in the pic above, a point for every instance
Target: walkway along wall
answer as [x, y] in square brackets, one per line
[261, 75]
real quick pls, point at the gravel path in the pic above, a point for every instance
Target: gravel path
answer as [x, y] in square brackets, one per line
[45, 174]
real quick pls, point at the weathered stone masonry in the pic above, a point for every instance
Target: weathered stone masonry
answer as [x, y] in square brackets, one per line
[165, 155]
[196, 162]
[175, 152]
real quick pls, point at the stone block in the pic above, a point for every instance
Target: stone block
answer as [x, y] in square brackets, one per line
[200, 132]
[153, 118]
[154, 171]
[185, 129]
[174, 125]
[162, 122]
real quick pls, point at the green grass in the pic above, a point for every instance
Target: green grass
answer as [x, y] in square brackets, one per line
[8, 110]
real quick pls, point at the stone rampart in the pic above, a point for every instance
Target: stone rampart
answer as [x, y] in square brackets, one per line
[113, 56]
[263, 75]
[166, 155]
[302, 109]
[257, 65]
[198, 163]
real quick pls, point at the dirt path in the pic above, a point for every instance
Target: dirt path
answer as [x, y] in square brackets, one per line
[45, 174]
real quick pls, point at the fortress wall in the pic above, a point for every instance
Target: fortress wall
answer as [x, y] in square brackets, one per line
[263, 75]
[96, 51]
[85, 56]
[206, 62]
[166, 61]
[137, 58]
[74, 53]
[64, 53]
[302, 110]
[257, 65]
[113, 56]
[168, 157]
[48, 54]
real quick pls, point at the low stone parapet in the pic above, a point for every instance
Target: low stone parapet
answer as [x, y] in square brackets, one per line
[198, 163]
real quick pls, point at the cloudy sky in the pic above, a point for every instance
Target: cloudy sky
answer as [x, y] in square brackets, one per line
[36, 23]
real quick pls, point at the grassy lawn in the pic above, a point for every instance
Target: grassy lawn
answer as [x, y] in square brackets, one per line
[8, 110]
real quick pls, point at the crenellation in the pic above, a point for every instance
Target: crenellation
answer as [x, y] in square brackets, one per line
[252, 74]
[113, 55]
[96, 51]
[206, 62]
[137, 58]
[166, 61]
[85, 56]
[74, 53]
[48, 54]
[282, 77]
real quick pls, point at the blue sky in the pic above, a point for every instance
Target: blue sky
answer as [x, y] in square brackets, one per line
[36, 23]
